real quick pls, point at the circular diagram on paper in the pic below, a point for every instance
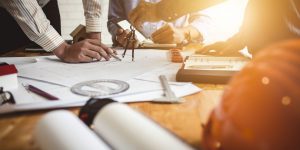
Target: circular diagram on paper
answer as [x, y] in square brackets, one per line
[95, 88]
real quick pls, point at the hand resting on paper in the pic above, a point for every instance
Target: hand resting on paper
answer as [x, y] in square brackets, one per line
[84, 51]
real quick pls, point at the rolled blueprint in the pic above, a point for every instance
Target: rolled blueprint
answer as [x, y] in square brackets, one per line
[126, 129]
[62, 130]
[121, 127]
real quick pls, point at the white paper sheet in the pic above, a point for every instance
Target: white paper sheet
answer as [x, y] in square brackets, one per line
[41, 71]
[169, 71]
[51, 69]
[138, 91]
[152, 93]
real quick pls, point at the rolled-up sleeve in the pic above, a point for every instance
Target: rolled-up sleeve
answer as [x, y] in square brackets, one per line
[32, 20]
[92, 13]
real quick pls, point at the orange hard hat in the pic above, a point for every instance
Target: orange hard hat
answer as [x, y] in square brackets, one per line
[260, 108]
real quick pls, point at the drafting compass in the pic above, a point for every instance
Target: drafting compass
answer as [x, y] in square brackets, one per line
[130, 39]
[95, 88]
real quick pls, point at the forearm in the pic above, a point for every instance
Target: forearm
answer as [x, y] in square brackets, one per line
[116, 13]
[92, 13]
[113, 29]
[170, 10]
[33, 22]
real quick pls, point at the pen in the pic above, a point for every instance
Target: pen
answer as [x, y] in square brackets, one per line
[40, 92]
[116, 57]
[112, 55]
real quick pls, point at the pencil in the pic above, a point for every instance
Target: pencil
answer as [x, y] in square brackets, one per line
[40, 92]
[116, 57]
[112, 55]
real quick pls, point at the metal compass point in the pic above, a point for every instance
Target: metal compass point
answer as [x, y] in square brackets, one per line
[95, 88]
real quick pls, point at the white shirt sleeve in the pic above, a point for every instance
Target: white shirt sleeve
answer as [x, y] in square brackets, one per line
[92, 13]
[205, 25]
[34, 23]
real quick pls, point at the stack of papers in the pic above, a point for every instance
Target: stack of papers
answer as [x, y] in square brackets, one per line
[56, 78]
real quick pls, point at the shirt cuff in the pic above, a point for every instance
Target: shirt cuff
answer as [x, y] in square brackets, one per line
[50, 40]
[93, 25]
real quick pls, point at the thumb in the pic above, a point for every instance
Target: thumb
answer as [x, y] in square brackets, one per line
[120, 31]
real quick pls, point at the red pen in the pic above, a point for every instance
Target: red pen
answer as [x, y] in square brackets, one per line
[40, 92]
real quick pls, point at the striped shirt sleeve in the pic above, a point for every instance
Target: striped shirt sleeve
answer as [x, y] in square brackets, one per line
[92, 13]
[31, 18]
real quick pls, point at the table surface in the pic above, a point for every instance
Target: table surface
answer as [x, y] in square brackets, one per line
[185, 119]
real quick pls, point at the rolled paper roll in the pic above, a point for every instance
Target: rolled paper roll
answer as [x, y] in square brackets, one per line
[125, 128]
[62, 130]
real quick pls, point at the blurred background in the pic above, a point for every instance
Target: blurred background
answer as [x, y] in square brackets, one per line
[227, 17]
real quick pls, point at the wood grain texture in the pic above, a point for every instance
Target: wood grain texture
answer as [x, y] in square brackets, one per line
[184, 120]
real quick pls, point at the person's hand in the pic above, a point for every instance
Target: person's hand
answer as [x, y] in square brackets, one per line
[145, 11]
[84, 51]
[168, 34]
[222, 49]
[121, 37]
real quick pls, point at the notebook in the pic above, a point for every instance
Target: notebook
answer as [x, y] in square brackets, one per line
[208, 69]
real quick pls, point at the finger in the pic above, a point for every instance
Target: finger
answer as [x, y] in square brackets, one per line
[98, 48]
[101, 51]
[84, 58]
[119, 31]
[123, 37]
[107, 49]
[92, 54]
[104, 54]
[127, 31]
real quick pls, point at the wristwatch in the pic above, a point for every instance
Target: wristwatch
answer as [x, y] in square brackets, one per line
[89, 111]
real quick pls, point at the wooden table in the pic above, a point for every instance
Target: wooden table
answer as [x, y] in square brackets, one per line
[185, 120]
